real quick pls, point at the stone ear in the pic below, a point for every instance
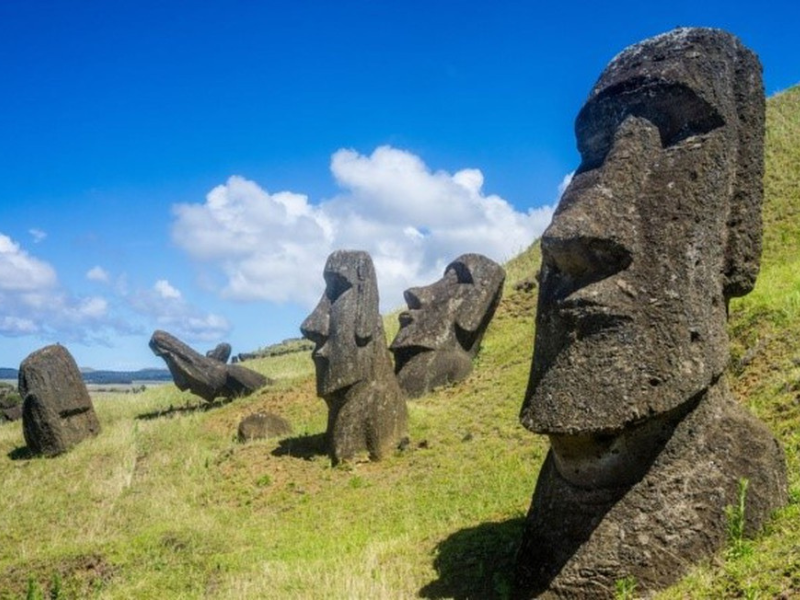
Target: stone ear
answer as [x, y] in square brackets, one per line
[743, 246]
[367, 311]
[472, 313]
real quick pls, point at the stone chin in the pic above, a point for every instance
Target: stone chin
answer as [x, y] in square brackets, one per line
[425, 369]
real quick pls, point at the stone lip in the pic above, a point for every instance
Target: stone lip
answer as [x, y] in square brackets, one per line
[205, 377]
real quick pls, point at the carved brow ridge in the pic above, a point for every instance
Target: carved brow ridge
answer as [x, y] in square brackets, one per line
[675, 108]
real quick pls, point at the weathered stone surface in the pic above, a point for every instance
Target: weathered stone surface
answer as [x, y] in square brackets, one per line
[442, 329]
[262, 425]
[366, 407]
[205, 377]
[222, 352]
[57, 411]
[658, 229]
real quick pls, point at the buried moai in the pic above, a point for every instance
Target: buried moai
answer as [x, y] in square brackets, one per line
[221, 352]
[442, 329]
[658, 229]
[206, 377]
[366, 407]
[57, 411]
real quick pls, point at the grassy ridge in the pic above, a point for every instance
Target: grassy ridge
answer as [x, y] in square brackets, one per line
[165, 503]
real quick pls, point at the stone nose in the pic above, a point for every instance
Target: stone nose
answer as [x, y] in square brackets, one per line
[416, 297]
[316, 326]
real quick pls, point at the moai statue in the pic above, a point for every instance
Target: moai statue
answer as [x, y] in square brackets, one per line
[658, 229]
[366, 407]
[441, 331]
[208, 378]
[57, 412]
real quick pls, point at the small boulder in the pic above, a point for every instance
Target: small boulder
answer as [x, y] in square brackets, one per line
[57, 411]
[263, 425]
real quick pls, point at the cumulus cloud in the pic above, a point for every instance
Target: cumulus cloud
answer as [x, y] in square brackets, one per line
[412, 220]
[165, 306]
[20, 272]
[33, 303]
[98, 273]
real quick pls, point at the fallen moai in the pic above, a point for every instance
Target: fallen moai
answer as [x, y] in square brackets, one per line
[203, 376]
[441, 331]
[659, 228]
[57, 411]
[366, 407]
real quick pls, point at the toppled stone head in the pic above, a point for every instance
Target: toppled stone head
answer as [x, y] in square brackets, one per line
[658, 229]
[366, 408]
[441, 331]
[205, 377]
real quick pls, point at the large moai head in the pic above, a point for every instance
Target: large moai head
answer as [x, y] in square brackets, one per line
[441, 331]
[659, 227]
[346, 323]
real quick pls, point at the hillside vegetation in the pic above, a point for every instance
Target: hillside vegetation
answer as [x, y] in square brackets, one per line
[165, 503]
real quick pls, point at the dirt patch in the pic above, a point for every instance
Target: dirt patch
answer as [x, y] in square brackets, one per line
[73, 577]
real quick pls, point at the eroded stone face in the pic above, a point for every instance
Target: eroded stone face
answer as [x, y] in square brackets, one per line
[366, 408]
[57, 411]
[441, 331]
[659, 227]
[345, 322]
[632, 305]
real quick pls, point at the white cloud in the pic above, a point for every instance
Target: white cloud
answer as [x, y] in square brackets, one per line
[98, 273]
[33, 303]
[165, 290]
[37, 234]
[562, 187]
[165, 306]
[412, 220]
[20, 272]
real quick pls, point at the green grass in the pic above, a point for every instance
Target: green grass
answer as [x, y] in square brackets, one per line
[166, 504]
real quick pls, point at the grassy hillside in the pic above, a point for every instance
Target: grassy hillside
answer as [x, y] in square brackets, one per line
[166, 504]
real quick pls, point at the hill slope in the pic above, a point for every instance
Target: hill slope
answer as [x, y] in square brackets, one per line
[165, 502]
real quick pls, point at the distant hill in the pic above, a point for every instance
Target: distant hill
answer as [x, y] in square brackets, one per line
[107, 377]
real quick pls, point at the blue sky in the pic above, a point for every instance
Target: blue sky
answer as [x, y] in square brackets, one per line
[184, 167]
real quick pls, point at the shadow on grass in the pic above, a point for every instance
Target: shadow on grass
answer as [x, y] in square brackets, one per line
[173, 411]
[304, 446]
[476, 563]
[21, 453]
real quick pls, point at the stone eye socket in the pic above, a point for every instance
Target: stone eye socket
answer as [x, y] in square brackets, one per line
[336, 285]
[678, 112]
[461, 272]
